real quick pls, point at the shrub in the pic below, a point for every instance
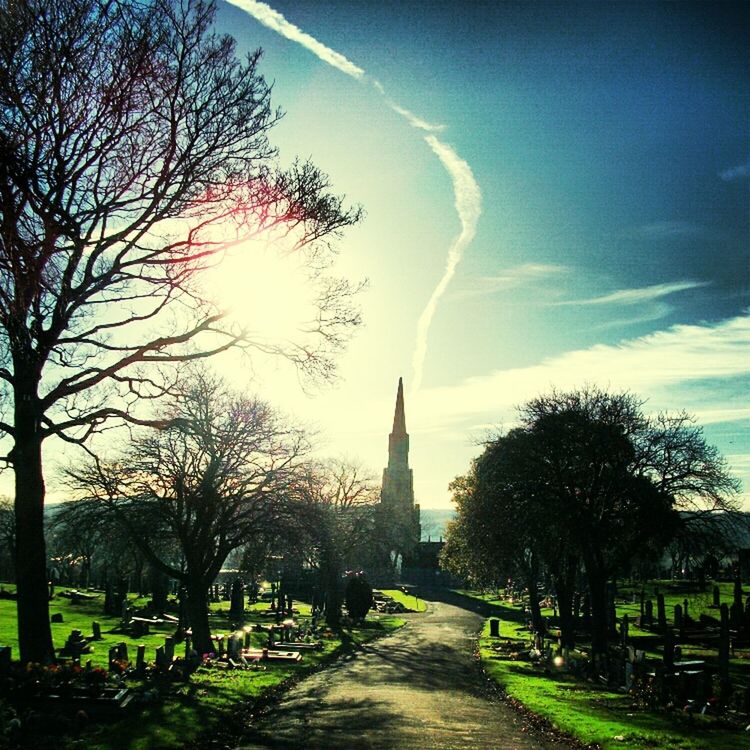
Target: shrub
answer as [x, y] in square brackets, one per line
[358, 597]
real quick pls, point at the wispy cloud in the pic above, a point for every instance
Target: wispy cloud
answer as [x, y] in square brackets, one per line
[468, 202]
[653, 366]
[646, 314]
[637, 295]
[276, 22]
[701, 368]
[467, 195]
[738, 172]
[659, 230]
[510, 278]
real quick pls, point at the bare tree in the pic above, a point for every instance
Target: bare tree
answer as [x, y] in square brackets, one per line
[220, 473]
[337, 512]
[133, 153]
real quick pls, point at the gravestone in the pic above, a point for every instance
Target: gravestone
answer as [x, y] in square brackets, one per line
[494, 628]
[122, 651]
[169, 649]
[668, 654]
[139, 628]
[56, 617]
[140, 658]
[161, 659]
[737, 611]
[661, 612]
[624, 629]
[96, 631]
[75, 645]
[678, 617]
[717, 597]
[237, 606]
[724, 651]
[648, 614]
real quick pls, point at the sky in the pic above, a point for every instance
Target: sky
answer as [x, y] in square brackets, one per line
[556, 195]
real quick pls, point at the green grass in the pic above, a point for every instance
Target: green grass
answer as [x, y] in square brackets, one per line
[186, 711]
[410, 601]
[586, 711]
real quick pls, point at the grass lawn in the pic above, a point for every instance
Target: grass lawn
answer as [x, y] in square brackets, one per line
[414, 603]
[184, 711]
[591, 713]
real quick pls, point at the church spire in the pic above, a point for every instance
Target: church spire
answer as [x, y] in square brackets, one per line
[399, 417]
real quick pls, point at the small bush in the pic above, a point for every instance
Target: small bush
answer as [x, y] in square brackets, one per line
[358, 597]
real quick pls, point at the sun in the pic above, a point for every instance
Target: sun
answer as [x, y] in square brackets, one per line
[268, 292]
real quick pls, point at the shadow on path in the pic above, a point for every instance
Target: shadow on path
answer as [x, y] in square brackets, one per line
[418, 688]
[485, 609]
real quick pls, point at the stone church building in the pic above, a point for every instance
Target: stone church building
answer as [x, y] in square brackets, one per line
[408, 558]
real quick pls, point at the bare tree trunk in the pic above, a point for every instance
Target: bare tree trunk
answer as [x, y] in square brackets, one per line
[197, 611]
[597, 581]
[34, 632]
[331, 584]
[564, 592]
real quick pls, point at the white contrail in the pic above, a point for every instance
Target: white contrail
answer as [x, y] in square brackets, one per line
[468, 201]
[467, 195]
[413, 120]
[276, 22]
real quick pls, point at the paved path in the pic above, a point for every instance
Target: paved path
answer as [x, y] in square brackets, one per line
[417, 688]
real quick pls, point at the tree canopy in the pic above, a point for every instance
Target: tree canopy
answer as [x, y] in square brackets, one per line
[587, 477]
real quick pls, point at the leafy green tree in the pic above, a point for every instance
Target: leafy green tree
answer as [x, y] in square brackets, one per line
[588, 475]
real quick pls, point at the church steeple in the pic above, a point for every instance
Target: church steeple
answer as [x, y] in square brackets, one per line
[397, 491]
[399, 417]
[398, 440]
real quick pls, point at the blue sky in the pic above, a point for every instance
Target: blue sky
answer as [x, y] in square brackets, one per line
[587, 167]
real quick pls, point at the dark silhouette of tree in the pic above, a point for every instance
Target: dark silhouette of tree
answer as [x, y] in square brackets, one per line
[133, 153]
[589, 476]
[219, 474]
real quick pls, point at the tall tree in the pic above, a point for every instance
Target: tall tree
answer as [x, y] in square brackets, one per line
[337, 500]
[133, 152]
[218, 475]
[589, 475]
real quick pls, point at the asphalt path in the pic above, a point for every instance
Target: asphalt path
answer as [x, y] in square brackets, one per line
[417, 688]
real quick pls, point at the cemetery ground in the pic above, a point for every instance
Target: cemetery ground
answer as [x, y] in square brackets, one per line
[168, 714]
[607, 716]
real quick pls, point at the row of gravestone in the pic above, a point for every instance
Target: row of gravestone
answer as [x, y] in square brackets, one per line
[739, 616]
[119, 657]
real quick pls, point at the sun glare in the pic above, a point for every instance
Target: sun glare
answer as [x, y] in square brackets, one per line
[267, 292]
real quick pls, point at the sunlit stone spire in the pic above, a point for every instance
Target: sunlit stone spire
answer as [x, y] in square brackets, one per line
[397, 492]
[399, 418]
